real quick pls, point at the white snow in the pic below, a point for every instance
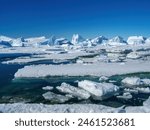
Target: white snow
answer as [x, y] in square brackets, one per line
[99, 91]
[63, 108]
[74, 91]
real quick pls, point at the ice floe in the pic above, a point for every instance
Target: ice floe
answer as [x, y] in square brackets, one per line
[74, 91]
[48, 88]
[95, 69]
[99, 91]
[135, 81]
[55, 98]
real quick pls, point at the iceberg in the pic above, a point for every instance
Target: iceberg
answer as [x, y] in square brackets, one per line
[99, 91]
[74, 91]
[116, 41]
[76, 38]
[136, 40]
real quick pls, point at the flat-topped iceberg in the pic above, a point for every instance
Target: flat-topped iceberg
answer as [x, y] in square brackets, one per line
[74, 91]
[95, 69]
[99, 91]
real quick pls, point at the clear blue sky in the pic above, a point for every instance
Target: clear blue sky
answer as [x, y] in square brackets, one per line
[64, 17]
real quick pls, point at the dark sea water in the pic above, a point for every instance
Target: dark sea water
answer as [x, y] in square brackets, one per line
[30, 90]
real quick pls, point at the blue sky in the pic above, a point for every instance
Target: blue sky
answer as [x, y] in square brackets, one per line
[89, 18]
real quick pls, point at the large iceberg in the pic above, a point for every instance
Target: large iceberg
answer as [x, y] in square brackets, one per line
[136, 40]
[76, 38]
[99, 91]
[117, 41]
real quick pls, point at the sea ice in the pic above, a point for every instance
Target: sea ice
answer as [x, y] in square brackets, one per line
[99, 91]
[74, 91]
[55, 98]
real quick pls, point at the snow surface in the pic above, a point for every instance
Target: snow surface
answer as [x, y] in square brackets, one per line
[95, 69]
[64, 108]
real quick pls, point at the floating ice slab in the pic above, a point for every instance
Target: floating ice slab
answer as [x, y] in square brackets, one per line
[97, 69]
[132, 81]
[48, 88]
[55, 98]
[135, 81]
[99, 91]
[74, 91]
[125, 96]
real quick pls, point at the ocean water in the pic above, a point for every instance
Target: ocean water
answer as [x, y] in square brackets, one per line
[29, 90]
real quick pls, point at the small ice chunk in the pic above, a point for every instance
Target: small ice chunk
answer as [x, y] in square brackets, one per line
[135, 81]
[125, 96]
[48, 88]
[146, 82]
[133, 55]
[131, 90]
[55, 98]
[132, 81]
[74, 91]
[143, 90]
[103, 78]
[99, 91]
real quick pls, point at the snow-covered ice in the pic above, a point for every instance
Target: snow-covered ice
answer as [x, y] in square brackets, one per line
[95, 69]
[55, 98]
[135, 81]
[99, 91]
[63, 108]
[74, 91]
